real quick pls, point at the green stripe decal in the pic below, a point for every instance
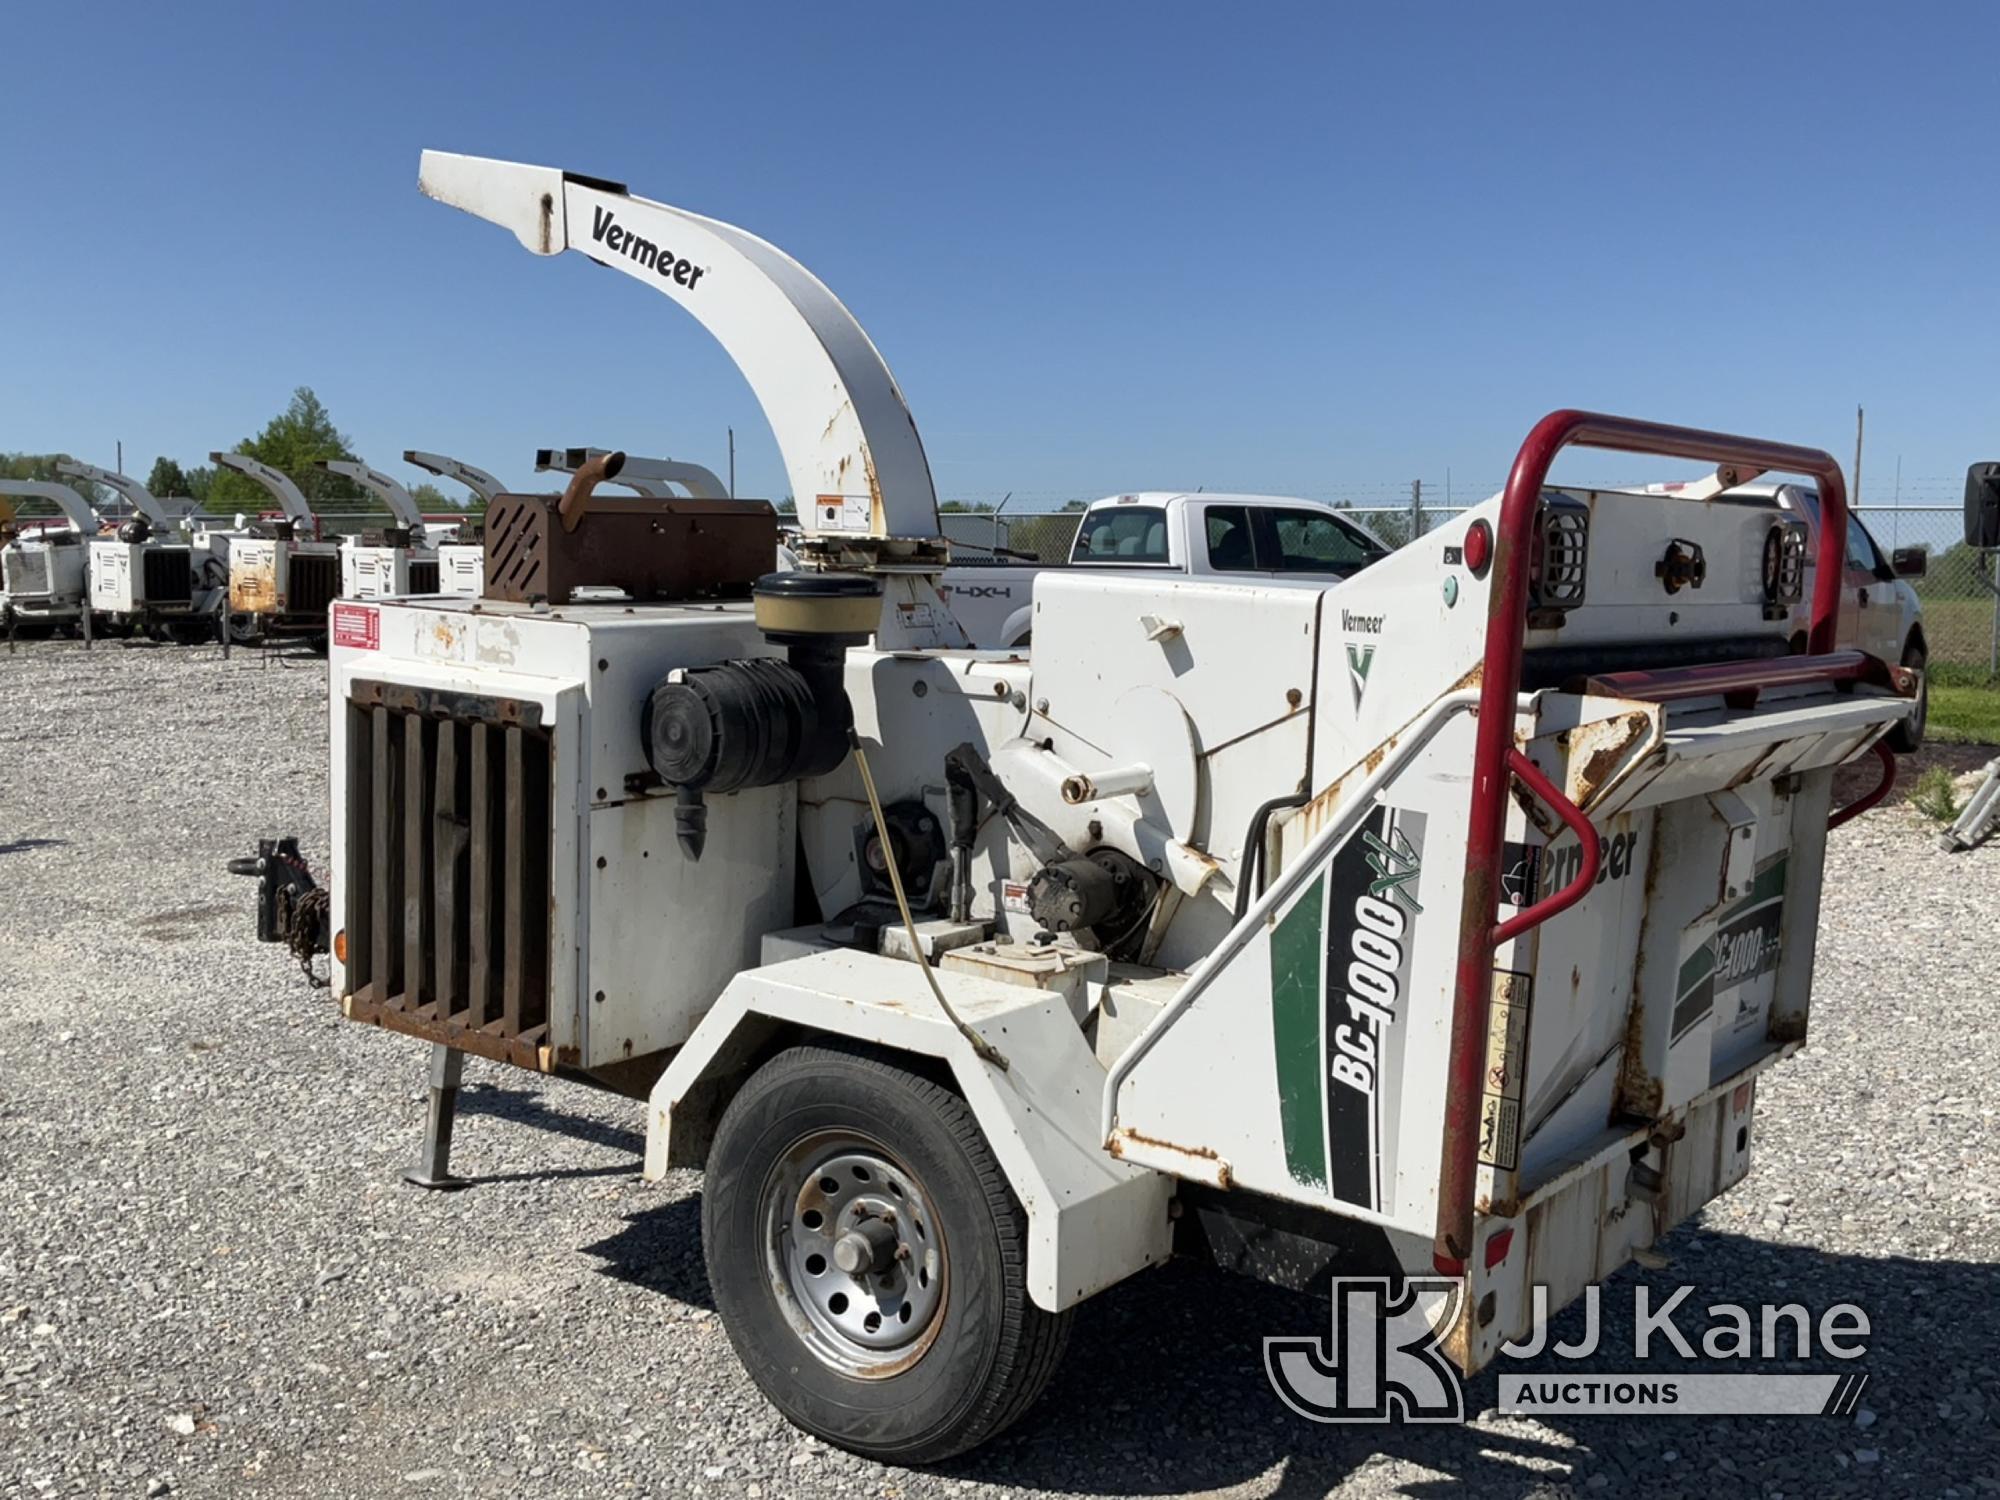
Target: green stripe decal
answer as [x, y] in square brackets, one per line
[1295, 1015]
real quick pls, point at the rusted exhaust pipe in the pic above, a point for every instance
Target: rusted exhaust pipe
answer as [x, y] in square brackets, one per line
[588, 476]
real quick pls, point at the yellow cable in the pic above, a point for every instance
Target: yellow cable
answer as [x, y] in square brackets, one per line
[979, 1043]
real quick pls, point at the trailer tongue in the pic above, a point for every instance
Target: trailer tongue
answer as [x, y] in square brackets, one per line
[1441, 919]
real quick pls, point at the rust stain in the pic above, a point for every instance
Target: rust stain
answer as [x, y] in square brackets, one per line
[254, 591]
[1116, 1146]
[1603, 747]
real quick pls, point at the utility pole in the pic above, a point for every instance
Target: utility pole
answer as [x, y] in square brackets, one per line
[732, 463]
[1416, 509]
[1854, 493]
[121, 457]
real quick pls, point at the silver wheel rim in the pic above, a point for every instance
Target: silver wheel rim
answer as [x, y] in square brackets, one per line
[855, 1254]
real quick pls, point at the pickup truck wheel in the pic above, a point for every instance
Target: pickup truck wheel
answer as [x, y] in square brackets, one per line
[1908, 737]
[869, 1260]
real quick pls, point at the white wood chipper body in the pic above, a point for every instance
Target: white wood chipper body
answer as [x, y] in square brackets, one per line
[1438, 920]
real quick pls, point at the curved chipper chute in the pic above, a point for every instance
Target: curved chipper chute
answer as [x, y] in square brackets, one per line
[402, 505]
[130, 490]
[481, 483]
[643, 476]
[277, 484]
[79, 511]
[851, 450]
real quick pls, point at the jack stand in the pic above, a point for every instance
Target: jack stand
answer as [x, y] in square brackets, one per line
[433, 1169]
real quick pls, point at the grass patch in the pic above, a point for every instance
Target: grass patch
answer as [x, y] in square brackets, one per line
[1965, 706]
[1933, 795]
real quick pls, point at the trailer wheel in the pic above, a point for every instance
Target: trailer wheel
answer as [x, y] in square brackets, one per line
[1907, 737]
[869, 1260]
[243, 629]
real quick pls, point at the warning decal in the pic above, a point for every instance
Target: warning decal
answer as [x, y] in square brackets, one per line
[1506, 1070]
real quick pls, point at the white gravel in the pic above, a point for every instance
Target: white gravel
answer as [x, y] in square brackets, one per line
[212, 1282]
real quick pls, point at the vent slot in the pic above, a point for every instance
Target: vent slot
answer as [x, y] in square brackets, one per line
[448, 838]
[423, 576]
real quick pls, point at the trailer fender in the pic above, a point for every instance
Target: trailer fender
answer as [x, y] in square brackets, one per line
[1093, 1220]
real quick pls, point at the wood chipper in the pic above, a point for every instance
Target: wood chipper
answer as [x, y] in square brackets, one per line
[1439, 920]
[151, 574]
[385, 560]
[461, 561]
[282, 577]
[45, 568]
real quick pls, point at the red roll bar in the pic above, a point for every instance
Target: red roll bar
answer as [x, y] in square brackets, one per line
[1493, 766]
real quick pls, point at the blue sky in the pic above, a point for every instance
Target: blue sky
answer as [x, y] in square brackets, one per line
[1312, 249]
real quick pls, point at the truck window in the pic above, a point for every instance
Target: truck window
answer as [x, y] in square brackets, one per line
[1123, 534]
[1311, 541]
[1862, 552]
[1229, 546]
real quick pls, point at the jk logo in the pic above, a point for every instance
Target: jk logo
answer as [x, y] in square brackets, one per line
[1381, 1361]
[1359, 660]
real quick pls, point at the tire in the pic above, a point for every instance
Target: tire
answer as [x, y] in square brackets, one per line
[243, 630]
[904, 1157]
[1907, 738]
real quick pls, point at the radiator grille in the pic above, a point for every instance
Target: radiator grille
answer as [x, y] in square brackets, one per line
[448, 839]
[315, 582]
[168, 576]
[423, 576]
[26, 572]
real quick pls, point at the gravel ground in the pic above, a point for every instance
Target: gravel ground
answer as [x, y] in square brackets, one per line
[212, 1283]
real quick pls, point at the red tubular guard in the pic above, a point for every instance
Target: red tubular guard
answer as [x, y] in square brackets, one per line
[1492, 764]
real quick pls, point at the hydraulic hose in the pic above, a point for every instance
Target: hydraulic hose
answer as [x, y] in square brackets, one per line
[980, 1045]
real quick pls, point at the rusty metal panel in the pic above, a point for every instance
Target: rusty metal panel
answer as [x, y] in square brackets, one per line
[253, 577]
[650, 548]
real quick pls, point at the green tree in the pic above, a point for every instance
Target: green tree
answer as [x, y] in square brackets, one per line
[169, 481]
[293, 442]
[430, 499]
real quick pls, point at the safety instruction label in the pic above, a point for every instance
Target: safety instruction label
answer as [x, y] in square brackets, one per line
[843, 512]
[357, 625]
[1506, 1070]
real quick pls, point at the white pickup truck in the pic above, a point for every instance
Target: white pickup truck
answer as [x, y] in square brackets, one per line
[1267, 539]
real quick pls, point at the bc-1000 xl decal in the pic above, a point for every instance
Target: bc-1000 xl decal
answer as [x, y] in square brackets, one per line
[1340, 970]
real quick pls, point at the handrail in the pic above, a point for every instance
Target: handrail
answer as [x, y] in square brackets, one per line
[1358, 804]
[1506, 627]
[1586, 835]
